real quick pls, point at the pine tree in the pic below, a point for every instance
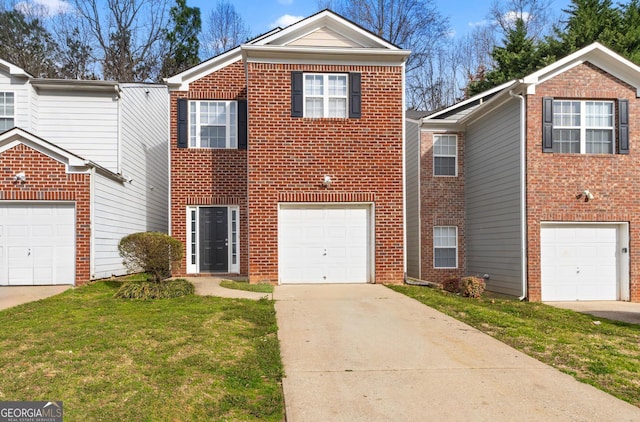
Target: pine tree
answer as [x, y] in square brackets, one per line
[182, 40]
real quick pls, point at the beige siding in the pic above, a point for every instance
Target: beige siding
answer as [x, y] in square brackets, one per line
[324, 37]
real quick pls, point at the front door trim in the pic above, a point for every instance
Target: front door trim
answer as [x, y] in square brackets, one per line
[192, 246]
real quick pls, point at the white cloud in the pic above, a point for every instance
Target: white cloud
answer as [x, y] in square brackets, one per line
[286, 20]
[286, 2]
[483, 22]
[512, 16]
[44, 8]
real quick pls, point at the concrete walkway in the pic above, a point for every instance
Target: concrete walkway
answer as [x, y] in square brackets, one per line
[367, 353]
[210, 286]
[617, 311]
[11, 296]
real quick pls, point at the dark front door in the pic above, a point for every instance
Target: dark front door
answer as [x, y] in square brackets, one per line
[214, 243]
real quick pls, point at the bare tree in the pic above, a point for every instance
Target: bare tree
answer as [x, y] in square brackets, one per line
[126, 36]
[225, 29]
[534, 14]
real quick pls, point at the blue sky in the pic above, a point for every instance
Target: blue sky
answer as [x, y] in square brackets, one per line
[262, 15]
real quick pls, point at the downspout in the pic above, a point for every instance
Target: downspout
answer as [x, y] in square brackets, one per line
[523, 195]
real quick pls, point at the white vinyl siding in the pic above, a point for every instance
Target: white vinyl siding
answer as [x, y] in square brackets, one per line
[584, 127]
[7, 111]
[445, 247]
[445, 155]
[213, 124]
[84, 123]
[325, 95]
[141, 205]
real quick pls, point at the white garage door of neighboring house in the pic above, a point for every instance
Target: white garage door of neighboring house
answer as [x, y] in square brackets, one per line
[324, 244]
[580, 262]
[37, 244]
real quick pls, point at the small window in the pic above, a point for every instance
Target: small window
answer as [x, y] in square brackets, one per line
[213, 124]
[7, 111]
[445, 155]
[325, 95]
[583, 127]
[445, 247]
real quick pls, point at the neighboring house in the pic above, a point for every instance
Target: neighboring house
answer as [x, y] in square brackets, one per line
[286, 157]
[533, 184]
[82, 163]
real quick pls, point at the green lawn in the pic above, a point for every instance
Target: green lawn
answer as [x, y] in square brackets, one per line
[244, 285]
[191, 358]
[605, 355]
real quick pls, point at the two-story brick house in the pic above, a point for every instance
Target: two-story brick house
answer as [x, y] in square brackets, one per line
[533, 184]
[286, 157]
[82, 164]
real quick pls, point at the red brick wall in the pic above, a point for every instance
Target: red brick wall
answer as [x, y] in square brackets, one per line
[442, 204]
[205, 176]
[47, 180]
[289, 156]
[553, 180]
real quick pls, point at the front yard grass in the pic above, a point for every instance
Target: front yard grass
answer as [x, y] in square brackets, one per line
[605, 354]
[183, 359]
[244, 285]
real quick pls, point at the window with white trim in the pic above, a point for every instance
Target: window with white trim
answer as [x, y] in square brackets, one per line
[445, 247]
[7, 111]
[583, 127]
[445, 155]
[213, 124]
[325, 95]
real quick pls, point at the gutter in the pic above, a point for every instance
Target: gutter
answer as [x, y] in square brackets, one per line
[523, 196]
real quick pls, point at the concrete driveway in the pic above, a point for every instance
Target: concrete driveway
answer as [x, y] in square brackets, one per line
[367, 353]
[617, 311]
[15, 295]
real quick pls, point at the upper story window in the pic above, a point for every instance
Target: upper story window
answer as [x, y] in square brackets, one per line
[325, 95]
[585, 127]
[322, 95]
[445, 155]
[445, 247]
[7, 111]
[213, 124]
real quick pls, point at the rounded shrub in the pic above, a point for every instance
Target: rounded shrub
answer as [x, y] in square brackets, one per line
[153, 290]
[151, 252]
[452, 284]
[472, 286]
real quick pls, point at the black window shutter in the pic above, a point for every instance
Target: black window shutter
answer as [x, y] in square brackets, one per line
[297, 94]
[183, 122]
[623, 126]
[242, 124]
[355, 96]
[547, 124]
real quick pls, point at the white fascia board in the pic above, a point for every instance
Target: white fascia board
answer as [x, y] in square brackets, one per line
[470, 100]
[493, 103]
[14, 70]
[332, 21]
[323, 55]
[181, 81]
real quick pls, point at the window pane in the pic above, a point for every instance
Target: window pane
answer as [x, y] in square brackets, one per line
[566, 140]
[599, 141]
[213, 136]
[313, 85]
[193, 125]
[233, 123]
[444, 145]
[5, 124]
[445, 258]
[337, 107]
[338, 85]
[444, 236]
[566, 113]
[313, 107]
[444, 166]
[599, 114]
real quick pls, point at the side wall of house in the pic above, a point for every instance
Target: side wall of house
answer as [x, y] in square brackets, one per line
[492, 197]
[23, 96]
[412, 198]
[84, 123]
[442, 204]
[206, 176]
[554, 179]
[141, 204]
[289, 156]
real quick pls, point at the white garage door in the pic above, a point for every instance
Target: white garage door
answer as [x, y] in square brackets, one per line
[37, 244]
[323, 244]
[579, 262]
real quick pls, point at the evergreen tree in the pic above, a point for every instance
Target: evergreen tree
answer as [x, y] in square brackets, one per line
[182, 40]
[628, 41]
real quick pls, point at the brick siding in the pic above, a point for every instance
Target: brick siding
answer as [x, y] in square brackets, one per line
[47, 180]
[553, 180]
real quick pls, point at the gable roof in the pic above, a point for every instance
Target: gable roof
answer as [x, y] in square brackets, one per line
[73, 163]
[596, 54]
[281, 45]
[14, 70]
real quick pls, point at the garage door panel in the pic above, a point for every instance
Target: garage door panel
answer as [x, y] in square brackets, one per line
[323, 244]
[37, 243]
[579, 262]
